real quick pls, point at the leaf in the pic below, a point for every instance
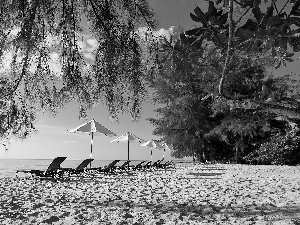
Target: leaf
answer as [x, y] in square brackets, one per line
[216, 40]
[257, 13]
[281, 42]
[295, 43]
[212, 19]
[184, 40]
[245, 33]
[269, 12]
[294, 20]
[247, 3]
[250, 24]
[195, 32]
[296, 48]
[296, 13]
[296, 9]
[212, 11]
[222, 37]
[275, 21]
[289, 54]
[195, 18]
[257, 2]
[200, 14]
[222, 20]
[289, 59]
[294, 33]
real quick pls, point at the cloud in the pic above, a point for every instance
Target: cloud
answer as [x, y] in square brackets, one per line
[145, 32]
[166, 32]
[92, 43]
[54, 63]
[87, 45]
[89, 56]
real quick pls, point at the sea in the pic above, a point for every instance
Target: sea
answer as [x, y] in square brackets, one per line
[9, 167]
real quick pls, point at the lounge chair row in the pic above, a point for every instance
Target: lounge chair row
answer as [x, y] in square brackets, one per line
[54, 170]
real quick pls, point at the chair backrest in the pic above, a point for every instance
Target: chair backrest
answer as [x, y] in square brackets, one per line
[125, 164]
[159, 161]
[112, 164]
[140, 164]
[156, 163]
[147, 164]
[84, 164]
[55, 164]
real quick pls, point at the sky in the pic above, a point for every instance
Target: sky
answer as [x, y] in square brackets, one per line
[54, 140]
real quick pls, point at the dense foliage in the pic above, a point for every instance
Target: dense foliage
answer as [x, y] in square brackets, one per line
[238, 102]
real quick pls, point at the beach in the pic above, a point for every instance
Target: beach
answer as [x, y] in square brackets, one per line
[188, 194]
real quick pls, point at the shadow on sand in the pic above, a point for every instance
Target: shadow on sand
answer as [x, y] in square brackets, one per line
[198, 212]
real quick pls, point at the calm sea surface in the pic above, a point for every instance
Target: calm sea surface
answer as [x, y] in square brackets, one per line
[8, 167]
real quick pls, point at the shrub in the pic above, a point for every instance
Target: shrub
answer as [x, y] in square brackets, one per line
[281, 149]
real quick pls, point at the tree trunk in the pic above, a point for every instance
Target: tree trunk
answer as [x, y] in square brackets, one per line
[236, 154]
[194, 156]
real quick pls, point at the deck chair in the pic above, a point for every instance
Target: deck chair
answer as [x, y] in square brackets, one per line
[152, 165]
[138, 166]
[147, 165]
[123, 167]
[168, 164]
[79, 169]
[106, 169]
[53, 169]
[156, 164]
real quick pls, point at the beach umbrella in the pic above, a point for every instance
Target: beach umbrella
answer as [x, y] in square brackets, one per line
[166, 147]
[152, 144]
[92, 128]
[129, 138]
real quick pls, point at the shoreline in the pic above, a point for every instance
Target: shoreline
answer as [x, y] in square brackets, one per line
[191, 194]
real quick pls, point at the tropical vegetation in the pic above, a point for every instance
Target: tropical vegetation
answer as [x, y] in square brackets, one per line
[238, 110]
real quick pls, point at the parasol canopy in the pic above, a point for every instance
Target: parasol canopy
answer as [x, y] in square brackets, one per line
[92, 128]
[129, 138]
[152, 144]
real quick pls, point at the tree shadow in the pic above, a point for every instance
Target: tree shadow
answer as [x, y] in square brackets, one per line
[212, 168]
[213, 212]
[205, 174]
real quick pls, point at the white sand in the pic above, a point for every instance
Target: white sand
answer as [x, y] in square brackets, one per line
[202, 194]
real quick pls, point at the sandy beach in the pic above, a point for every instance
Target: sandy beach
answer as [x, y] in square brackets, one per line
[189, 194]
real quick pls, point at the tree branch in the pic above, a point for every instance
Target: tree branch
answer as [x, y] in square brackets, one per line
[28, 47]
[229, 51]
[107, 31]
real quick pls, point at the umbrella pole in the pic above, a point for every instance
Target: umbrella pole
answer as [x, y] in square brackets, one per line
[164, 154]
[91, 149]
[151, 154]
[128, 153]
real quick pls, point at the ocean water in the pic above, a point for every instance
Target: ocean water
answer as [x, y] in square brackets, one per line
[8, 167]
